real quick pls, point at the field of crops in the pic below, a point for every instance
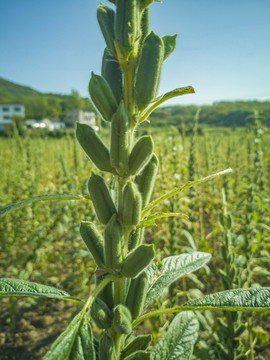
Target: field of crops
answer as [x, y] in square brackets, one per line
[228, 217]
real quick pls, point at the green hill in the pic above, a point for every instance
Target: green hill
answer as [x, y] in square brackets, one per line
[41, 105]
[11, 92]
[224, 113]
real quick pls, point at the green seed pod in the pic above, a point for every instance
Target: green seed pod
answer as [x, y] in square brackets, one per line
[106, 348]
[127, 25]
[94, 241]
[221, 219]
[229, 221]
[136, 294]
[93, 147]
[233, 272]
[139, 355]
[102, 96]
[113, 238]
[140, 342]
[137, 260]
[112, 73]
[146, 180]
[106, 293]
[239, 330]
[223, 326]
[132, 205]
[225, 279]
[145, 24]
[101, 197]
[106, 17]
[122, 319]
[149, 70]
[140, 154]
[135, 238]
[101, 314]
[169, 45]
[120, 136]
[224, 254]
[223, 352]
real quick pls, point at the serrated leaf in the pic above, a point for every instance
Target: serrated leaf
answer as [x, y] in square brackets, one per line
[17, 287]
[175, 191]
[11, 207]
[172, 268]
[75, 343]
[150, 220]
[179, 340]
[252, 299]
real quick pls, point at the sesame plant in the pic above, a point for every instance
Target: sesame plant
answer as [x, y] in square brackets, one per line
[128, 279]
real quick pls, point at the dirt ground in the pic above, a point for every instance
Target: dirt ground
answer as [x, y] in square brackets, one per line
[32, 330]
[28, 334]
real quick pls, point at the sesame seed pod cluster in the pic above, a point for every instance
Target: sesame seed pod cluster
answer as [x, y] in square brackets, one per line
[127, 86]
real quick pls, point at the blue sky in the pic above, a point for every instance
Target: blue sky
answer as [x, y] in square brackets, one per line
[223, 47]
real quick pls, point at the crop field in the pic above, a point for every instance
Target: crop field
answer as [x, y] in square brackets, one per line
[227, 216]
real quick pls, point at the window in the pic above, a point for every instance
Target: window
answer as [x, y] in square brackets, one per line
[17, 108]
[5, 108]
[6, 117]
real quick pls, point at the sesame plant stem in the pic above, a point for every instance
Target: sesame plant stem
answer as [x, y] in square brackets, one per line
[96, 291]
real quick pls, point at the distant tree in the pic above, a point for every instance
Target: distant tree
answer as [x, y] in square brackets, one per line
[75, 101]
[54, 109]
[37, 107]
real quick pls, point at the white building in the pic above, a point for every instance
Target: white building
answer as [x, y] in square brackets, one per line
[7, 111]
[85, 117]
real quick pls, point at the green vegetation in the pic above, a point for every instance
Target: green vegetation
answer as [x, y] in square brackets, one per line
[236, 114]
[38, 105]
[43, 245]
[222, 114]
[131, 265]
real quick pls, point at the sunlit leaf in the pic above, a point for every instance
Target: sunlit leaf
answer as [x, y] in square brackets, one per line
[169, 95]
[150, 220]
[11, 207]
[75, 343]
[17, 287]
[179, 340]
[172, 268]
[252, 299]
[177, 190]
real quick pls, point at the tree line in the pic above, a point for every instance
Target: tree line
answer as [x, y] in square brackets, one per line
[39, 106]
[225, 113]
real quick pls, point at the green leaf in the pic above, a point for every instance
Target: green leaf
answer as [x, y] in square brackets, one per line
[75, 343]
[17, 287]
[11, 207]
[169, 95]
[186, 186]
[179, 340]
[252, 299]
[171, 269]
[169, 45]
[189, 238]
[150, 220]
